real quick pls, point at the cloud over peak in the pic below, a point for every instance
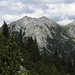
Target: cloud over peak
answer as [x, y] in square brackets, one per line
[61, 11]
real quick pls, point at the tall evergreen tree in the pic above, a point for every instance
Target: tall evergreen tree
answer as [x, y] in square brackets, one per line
[69, 67]
[56, 59]
[21, 42]
[32, 48]
[5, 30]
[74, 66]
[63, 63]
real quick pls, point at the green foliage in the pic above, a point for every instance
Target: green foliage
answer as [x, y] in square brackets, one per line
[10, 56]
[26, 72]
[67, 74]
[54, 71]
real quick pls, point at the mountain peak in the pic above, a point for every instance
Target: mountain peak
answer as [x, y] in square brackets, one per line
[43, 17]
[72, 23]
[26, 17]
[35, 27]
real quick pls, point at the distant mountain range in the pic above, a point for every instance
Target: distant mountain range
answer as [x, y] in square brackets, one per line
[49, 34]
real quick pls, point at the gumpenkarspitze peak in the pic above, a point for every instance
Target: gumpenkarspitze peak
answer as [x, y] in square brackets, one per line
[48, 33]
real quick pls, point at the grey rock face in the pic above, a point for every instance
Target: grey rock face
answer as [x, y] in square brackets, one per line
[35, 27]
[49, 34]
[71, 29]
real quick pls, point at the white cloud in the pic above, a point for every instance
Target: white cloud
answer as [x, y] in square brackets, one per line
[61, 9]
[1, 23]
[10, 17]
[65, 21]
[18, 6]
[54, 1]
[46, 1]
[11, 10]
[4, 3]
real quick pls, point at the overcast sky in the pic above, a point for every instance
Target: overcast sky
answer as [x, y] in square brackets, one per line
[61, 11]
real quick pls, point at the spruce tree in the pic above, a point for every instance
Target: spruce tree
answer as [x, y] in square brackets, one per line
[32, 48]
[20, 38]
[63, 63]
[5, 30]
[74, 66]
[69, 67]
[56, 60]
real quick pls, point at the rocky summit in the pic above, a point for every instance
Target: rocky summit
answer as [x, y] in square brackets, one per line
[49, 34]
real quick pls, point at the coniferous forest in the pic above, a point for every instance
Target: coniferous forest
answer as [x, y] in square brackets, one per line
[18, 58]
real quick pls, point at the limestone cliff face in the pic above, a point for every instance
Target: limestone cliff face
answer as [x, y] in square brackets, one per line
[49, 34]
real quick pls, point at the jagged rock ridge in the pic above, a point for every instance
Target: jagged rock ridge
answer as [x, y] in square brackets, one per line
[49, 34]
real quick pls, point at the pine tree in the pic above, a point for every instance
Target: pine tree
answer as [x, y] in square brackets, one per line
[74, 66]
[5, 30]
[32, 48]
[56, 60]
[69, 67]
[63, 63]
[35, 53]
[21, 42]
[56, 57]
